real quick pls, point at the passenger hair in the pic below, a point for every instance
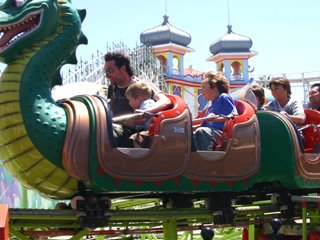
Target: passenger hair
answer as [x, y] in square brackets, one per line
[281, 81]
[217, 79]
[316, 85]
[120, 59]
[139, 89]
[259, 93]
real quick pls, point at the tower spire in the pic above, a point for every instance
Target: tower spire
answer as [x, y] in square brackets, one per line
[165, 8]
[229, 13]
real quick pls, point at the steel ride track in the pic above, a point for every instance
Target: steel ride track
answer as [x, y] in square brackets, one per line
[149, 219]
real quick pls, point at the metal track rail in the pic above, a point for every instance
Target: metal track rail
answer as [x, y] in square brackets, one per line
[29, 223]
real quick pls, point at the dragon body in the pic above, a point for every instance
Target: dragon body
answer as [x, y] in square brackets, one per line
[38, 37]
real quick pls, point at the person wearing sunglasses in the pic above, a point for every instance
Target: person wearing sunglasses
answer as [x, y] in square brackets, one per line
[314, 96]
[120, 74]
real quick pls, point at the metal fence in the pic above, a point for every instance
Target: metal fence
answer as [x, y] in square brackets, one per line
[144, 64]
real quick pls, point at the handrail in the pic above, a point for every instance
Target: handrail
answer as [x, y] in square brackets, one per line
[307, 126]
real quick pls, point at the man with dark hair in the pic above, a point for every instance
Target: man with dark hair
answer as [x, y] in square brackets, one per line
[119, 71]
[314, 96]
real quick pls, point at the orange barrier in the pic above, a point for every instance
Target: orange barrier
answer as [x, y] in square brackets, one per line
[4, 221]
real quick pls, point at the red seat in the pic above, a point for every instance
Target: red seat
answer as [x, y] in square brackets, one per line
[311, 134]
[314, 236]
[245, 112]
[177, 107]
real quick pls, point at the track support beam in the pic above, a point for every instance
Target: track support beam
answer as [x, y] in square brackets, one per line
[170, 230]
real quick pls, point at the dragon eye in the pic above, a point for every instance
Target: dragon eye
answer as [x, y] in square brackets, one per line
[19, 2]
[16, 3]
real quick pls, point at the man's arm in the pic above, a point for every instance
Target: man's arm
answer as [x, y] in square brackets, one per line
[162, 103]
[298, 116]
[298, 119]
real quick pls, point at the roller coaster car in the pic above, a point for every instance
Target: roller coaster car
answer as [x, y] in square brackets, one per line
[257, 148]
[171, 155]
[283, 160]
[239, 155]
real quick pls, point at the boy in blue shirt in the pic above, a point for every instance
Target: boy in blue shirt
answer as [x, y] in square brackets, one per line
[215, 88]
[139, 96]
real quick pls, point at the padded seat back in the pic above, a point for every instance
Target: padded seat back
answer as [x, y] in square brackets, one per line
[245, 112]
[176, 108]
[311, 134]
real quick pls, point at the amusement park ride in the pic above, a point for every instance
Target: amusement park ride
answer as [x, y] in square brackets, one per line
[65, 151]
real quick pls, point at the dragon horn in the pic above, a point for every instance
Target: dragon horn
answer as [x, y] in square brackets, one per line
[83, 39]
[82, 13]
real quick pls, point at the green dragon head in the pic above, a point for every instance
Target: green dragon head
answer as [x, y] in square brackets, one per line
[26, 22]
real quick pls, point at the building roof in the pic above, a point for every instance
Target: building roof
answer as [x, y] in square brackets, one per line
[164, 34]
[190, 71]
[231, 43]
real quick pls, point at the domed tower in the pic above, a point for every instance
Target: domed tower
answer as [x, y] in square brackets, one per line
[231, 53]
[169, 46]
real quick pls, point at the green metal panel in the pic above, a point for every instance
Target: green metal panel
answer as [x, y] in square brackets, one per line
[278, 161]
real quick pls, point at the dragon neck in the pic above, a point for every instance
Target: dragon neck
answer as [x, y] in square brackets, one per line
[45, 120]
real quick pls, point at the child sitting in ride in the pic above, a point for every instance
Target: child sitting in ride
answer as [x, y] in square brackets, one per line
[139, 96]
[292, 109]
[215, 88]
[281, 91]
[258, 91]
